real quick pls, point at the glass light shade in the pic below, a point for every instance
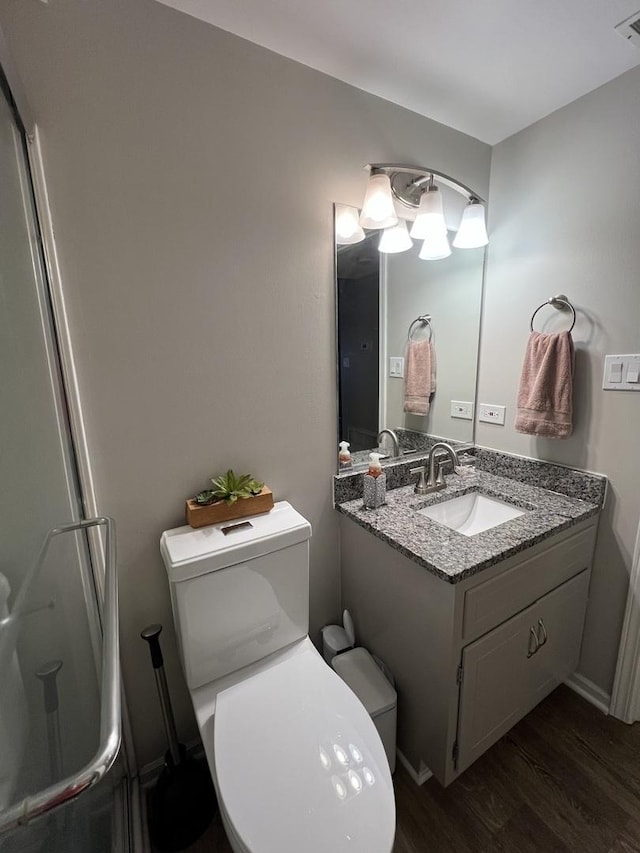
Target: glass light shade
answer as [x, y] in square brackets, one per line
[435, 248]
[430, 220]
[348, 228]
[378, 210]
[395, 239]
[473, 231]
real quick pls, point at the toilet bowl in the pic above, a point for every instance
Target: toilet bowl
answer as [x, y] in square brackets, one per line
[295, 758]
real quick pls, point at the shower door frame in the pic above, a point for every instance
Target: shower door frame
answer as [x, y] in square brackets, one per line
[625, 695]
[66, 390]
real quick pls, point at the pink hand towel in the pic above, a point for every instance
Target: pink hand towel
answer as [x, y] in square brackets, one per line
[545, 395]
[420, 382]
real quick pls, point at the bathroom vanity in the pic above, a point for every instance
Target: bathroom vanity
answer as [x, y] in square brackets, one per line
[477, 629]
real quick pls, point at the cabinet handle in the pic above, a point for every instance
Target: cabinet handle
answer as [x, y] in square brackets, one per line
[545, 636]
[536, 645]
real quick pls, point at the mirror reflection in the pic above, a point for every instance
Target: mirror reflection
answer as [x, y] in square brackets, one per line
[380, 298]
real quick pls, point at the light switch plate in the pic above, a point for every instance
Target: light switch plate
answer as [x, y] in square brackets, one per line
[460, 409]
[491, 414]
[396, 366]
[621, 372]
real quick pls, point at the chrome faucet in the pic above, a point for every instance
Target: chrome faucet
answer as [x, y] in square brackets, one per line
[394, 441]
[435, 479]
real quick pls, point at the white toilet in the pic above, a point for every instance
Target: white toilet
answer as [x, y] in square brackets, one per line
[295, 758]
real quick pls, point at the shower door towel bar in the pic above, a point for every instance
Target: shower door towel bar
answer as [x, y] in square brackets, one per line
[67, 789]
[561, 302]
[424, 320]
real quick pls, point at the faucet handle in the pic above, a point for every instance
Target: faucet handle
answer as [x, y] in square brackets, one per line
[421, 485]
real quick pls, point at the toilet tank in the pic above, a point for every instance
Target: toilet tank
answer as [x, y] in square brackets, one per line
[239, 590]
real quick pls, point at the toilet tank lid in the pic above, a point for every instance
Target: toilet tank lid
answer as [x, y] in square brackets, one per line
[189, 552]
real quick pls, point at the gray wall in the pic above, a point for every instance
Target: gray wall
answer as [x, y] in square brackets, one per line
[565, 217]
[191, 177]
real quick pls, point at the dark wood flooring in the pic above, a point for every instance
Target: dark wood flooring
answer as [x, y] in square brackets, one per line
[566, 778]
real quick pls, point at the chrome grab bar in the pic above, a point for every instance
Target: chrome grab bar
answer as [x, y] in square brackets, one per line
[110, 729]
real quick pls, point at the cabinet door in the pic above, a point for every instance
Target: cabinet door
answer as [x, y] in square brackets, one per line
[504, 676]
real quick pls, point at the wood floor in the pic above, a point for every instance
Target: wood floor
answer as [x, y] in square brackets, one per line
[566, 778]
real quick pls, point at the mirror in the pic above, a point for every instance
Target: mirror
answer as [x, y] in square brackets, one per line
[378, 298]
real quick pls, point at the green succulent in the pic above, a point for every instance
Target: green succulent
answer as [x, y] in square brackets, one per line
[229, 487]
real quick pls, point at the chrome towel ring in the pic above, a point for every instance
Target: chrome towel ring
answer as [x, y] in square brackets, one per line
[561, 302]
[424, 320]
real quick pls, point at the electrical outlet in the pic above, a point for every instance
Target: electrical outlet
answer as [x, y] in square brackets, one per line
[396, 367]
[460, 409]
[491, 414]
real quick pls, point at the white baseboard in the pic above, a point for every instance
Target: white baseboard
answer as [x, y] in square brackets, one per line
[419, 777]
[599, 698]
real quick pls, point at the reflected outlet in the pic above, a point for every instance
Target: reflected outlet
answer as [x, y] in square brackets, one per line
[460, 409]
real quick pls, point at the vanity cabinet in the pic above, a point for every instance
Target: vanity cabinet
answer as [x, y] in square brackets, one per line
[470, 658]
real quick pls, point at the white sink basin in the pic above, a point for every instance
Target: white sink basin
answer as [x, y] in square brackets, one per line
[471, 513]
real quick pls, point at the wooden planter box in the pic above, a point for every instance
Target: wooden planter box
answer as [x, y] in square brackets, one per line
[201, 516]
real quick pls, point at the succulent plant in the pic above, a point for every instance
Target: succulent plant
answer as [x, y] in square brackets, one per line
[229, 487]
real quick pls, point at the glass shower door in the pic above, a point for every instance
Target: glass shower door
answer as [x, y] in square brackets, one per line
[51, 644]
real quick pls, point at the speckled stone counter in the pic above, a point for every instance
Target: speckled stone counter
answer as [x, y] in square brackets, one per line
[451, 555]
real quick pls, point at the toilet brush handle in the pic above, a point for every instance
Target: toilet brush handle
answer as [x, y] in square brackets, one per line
[152, 635]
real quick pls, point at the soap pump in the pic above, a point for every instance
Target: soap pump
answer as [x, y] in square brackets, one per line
[375, 483]
[344, 456]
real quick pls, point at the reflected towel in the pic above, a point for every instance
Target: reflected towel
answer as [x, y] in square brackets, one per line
[420, 382]
[545, 395]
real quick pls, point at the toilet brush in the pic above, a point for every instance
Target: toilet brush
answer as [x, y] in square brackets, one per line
[48, 675]
[183, 801]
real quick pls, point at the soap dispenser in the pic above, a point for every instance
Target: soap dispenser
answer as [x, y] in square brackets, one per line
[375, 484]
[344, 456]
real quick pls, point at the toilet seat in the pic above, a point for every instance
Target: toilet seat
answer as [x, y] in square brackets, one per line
[299, 764]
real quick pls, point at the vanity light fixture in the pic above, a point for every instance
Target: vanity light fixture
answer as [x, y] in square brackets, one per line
[395, 239]
[397, 193]
[473, 230]
[348, 229]
[378, 210]
[430, 222]
[435, 248]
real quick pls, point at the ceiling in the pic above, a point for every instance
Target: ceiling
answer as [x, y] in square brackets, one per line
[486, 68]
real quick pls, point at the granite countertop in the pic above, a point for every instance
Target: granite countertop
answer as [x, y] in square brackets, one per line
[451, 555]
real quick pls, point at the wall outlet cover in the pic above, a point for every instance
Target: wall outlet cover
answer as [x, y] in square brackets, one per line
[491, 413]
[462, 409]
[621, 372]
[396, 366]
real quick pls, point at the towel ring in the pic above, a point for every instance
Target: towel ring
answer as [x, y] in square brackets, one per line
[424, 320]
[561, 302]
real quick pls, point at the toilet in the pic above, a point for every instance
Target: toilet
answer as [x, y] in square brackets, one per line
[295, 758]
